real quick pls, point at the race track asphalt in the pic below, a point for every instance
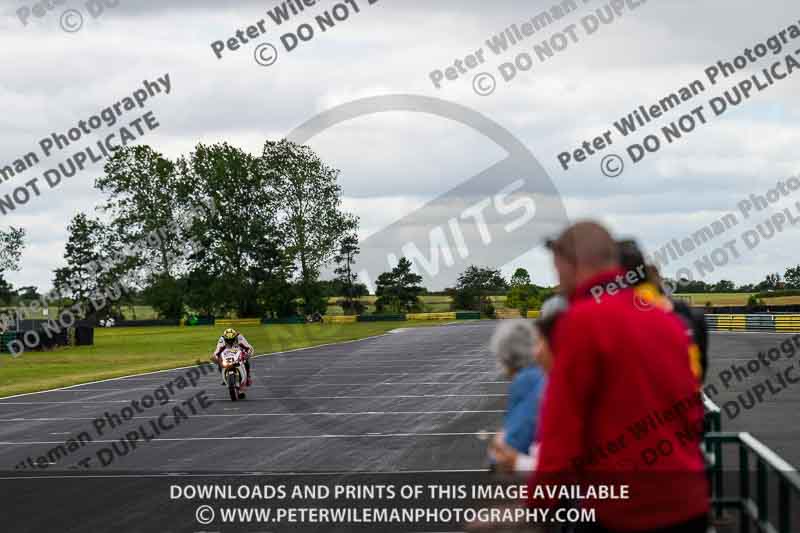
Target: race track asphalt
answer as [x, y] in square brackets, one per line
[421, 400]
[774, 419]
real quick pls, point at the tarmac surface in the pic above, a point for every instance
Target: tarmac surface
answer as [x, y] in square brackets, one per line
[418, 402]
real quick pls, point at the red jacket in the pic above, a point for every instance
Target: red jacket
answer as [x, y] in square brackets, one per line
[621, 384]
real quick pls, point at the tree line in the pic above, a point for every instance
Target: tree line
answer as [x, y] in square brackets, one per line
[774, 281]
[217, 231]
[220, 231]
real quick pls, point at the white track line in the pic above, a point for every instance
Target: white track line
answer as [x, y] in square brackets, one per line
[231, 415]
[270, 437]
[323, 373]
[250, 474]
[271, 398]
[307, 385]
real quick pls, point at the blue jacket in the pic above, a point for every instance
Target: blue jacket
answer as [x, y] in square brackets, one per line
[522, 416]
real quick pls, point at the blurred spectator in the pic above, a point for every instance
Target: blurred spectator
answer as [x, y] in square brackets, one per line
[552, 309]
[614, 365]
[507, 458]
[652, 292]
[514, 343]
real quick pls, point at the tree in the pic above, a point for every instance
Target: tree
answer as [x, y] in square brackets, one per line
[28, 293]
[205, 292]
[693, 286]
[311, 219]
[12, 242]
[145, 198]
[270, 276]
[524, 298]
[6, 292]
[520, 277]
[92, 275]
[398, 290]
[166, 295]
[523, 294]
[791, 277]
[475, 285]
[771, 282]
[345, 259]
[754, 301]
[236, 228]
[724, 286]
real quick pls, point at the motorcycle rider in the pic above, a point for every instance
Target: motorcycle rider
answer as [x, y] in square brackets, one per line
[233, 339]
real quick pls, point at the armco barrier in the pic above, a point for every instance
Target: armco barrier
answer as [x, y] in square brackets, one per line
[774, 323]
[339, 319]
[787, 322]
[468, 315]
[732, 322]
[533, 314]
[745, 310]
[431, 316]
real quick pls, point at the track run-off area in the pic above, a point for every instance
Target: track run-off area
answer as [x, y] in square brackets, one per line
[420, 400]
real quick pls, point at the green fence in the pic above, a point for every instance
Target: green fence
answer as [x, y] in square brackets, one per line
[287, 320]
[381, 318]
[6, 338]
[198, 321]
[754, 508]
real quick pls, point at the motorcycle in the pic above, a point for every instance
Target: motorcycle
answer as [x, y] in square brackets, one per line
[234, 372]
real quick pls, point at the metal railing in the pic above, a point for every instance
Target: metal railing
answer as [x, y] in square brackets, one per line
[753, 508]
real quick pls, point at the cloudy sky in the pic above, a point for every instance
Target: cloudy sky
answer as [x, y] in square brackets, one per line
[394, 163]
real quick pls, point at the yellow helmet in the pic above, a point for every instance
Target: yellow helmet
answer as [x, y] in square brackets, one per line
[230, 335]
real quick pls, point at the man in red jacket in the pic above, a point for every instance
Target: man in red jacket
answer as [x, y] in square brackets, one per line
[621, 407]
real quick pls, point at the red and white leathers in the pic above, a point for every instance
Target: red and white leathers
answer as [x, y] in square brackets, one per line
[247, 352]
[241, 342]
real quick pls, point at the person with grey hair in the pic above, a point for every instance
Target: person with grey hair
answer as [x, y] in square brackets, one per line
[514, 343]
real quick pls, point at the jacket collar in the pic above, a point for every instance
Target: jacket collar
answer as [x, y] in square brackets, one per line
[584, 290]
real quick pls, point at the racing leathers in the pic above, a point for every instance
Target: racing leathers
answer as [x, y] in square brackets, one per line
[240, 342]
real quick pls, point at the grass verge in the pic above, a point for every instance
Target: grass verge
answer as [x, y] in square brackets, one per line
[124, 351]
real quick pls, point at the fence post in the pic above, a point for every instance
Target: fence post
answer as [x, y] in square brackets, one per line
[763, 488]
[744, 487]
[784, 510]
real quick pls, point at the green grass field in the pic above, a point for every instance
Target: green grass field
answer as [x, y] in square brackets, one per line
[738, 298]
[124, 351]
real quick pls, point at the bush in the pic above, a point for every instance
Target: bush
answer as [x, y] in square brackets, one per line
[354, 307]
[754, 301]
